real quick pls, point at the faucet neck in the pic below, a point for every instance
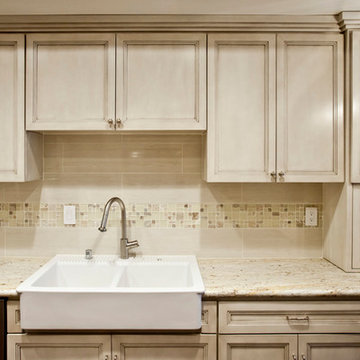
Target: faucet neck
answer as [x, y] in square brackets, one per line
[123, 216]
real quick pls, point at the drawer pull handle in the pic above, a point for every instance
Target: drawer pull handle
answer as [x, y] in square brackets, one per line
[294, 357]
[303, 357]
[297, 318]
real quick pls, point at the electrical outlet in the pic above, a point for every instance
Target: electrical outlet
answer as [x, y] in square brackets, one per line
[311, 216]
[69, 215]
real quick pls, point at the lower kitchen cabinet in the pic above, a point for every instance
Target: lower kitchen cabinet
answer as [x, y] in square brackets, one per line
[164, 347]
[329, 347]
[59, 347]
[257, 347]
[106, 347]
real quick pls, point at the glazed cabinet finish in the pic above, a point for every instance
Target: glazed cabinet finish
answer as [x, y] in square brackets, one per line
[106, 347]
[310, 135]
[255, 347]
[20, 158]
[70, 81]
[164, 347]
[355, 227]
[329, 347]
[59, 347]
[161, 81]
[241, 108]
[85, 81]
[264, 127]
[355, 106]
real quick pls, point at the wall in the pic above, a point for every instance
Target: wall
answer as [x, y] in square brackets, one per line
[170, 209]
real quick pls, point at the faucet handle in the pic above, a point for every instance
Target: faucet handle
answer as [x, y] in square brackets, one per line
[132, 244]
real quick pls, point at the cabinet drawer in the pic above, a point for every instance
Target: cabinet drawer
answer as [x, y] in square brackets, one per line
[289, 317]
[209, 317]
[13, 317]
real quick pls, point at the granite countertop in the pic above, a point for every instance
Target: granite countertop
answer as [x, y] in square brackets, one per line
[232, 278]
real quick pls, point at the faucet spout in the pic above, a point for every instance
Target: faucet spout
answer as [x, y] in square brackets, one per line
[125, 245]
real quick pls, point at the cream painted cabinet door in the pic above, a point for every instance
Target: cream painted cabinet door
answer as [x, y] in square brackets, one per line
[164, 347]
[257, 347]
[241, 108]
[329, 347]
[70, 81]
[21, 153]
[355, 106]
[58, 347]
[161, 81]
[310, 134]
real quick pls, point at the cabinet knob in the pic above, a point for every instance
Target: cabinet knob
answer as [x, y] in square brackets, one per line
[294, 357]
[273, 175]
[303, 357]
[118, 122]
[110, 122]
[281, 174]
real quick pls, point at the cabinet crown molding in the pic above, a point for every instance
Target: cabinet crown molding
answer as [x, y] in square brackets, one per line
[349, 20]
[279, 23]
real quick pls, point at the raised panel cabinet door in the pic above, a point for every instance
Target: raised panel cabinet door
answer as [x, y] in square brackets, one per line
[12, 135]
[329, 347]
[70, 81]
[240, 143]
[161, 81]
[356, 227]
[21, 153]
[257, 347]
[310, 134]
[58, 347]
[164, 347]
[355, 106]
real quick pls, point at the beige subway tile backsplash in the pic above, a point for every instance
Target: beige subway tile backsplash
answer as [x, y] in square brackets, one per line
[170, 208]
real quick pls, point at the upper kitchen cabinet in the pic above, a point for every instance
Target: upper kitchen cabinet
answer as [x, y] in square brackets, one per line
[21, 153]
[264, 127]
[310, 135]
[161, 81]
[70, 82]
[355, 106]
[241, 108]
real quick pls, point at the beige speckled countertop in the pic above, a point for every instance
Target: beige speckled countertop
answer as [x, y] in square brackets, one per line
[232, 278]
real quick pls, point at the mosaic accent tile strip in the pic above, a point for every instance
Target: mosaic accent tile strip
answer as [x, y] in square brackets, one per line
[176, 215]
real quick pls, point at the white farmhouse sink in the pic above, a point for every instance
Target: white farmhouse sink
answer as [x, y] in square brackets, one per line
[143, 293]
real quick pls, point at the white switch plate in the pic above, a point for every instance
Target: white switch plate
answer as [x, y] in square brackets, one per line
[69, 215]
[311, 216]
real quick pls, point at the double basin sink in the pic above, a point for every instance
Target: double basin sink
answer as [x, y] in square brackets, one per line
[106, 293]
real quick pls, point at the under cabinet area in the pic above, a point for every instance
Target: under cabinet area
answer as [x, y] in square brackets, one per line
[275, 108]
[125, 81]
[21, 152]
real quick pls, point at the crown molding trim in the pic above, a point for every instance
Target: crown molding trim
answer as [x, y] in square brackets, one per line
[349, 20]
[279, 23]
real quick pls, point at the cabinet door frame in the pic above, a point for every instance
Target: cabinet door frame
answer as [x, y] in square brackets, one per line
[16, 342]
[122, 42]
[355, 106]
[33, 42]
[286, 341]
[19, 143]
[212, 172]
[307, 342]
[207, 342]
[336, 41]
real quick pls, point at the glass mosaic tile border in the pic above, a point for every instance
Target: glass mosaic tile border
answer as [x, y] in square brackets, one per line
[174, 215]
